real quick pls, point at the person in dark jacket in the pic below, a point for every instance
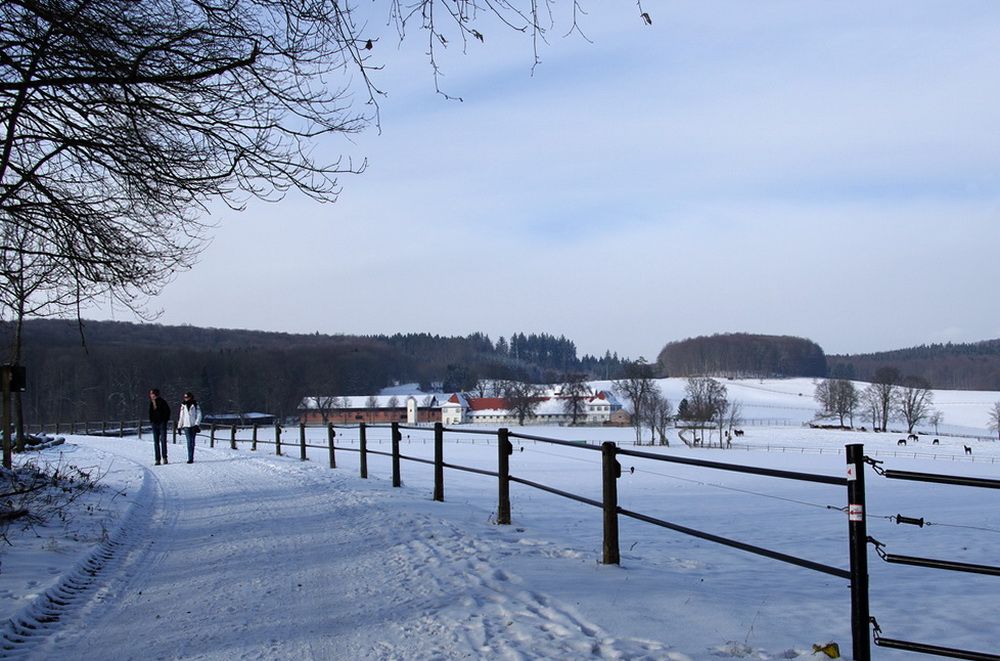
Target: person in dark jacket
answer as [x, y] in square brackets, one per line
[159, 417]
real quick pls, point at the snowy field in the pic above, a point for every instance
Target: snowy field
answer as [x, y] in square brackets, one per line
[249, 555]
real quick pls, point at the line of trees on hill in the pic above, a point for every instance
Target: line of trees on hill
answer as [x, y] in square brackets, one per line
[972, 366]
[240, 371]
[742, 355]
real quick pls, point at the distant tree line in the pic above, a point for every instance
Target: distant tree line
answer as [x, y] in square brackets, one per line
[742, 355]
[105, 373]
[973, 366]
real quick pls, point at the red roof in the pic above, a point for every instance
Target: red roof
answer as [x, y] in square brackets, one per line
[486, 403]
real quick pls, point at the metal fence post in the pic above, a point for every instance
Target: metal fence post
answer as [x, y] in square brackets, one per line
[612, 470]
[860, 616]
[438, 462]
[504, 450]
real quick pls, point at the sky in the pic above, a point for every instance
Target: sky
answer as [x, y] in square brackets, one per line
[790, 167]
[252, 556]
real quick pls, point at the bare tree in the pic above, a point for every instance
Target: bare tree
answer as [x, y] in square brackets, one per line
[481, 387]
[635, 388]
[870, 405]
[29, 287]
[122, 120]
[734, 415]
[575, 392]
[324, 405]
[883, 393]
[707, 401]
[837, 397]
[937, 417]
[914, 401]
[523, 399]
[660, 411]
[994, 419]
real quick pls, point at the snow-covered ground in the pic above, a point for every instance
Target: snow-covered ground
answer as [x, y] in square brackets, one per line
[248, 555]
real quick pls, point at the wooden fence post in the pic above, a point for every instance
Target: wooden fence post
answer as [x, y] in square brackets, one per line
[612, 470]
[438, 462]
[211, 435]
[253, 438]
[330, 433]
[302, 442]
[232, 437]
[397, 436]
[363, 449]
[504, 450]
[277, 439]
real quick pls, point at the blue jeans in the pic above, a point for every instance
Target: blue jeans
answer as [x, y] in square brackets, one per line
[189, 434]
[160, 441]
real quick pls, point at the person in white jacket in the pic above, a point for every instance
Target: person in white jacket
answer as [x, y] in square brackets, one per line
[189, 421]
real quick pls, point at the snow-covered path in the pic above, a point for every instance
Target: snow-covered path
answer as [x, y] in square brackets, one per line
[248, 555]
[242, 555]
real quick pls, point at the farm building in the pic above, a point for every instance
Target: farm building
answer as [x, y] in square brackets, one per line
[600, 408]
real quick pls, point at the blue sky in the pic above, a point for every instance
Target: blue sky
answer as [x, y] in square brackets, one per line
[821, 169]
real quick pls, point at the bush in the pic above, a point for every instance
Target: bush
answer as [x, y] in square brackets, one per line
[34, 493]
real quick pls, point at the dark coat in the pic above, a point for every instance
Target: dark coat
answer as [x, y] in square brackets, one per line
[160, 412]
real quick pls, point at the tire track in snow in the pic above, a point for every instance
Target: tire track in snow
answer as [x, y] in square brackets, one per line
[87, 582]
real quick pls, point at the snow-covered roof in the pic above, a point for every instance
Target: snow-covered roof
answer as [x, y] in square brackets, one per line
[365, 401]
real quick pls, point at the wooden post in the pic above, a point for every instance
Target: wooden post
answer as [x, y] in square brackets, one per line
[8, 448]
[397, 480]
[612, 470]
[253, 438]
[302, 442]
[330, 433]
[211, 435]
[504, 451]
[438, 462]
[232, 437]
[277, 439]
[363, 449]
